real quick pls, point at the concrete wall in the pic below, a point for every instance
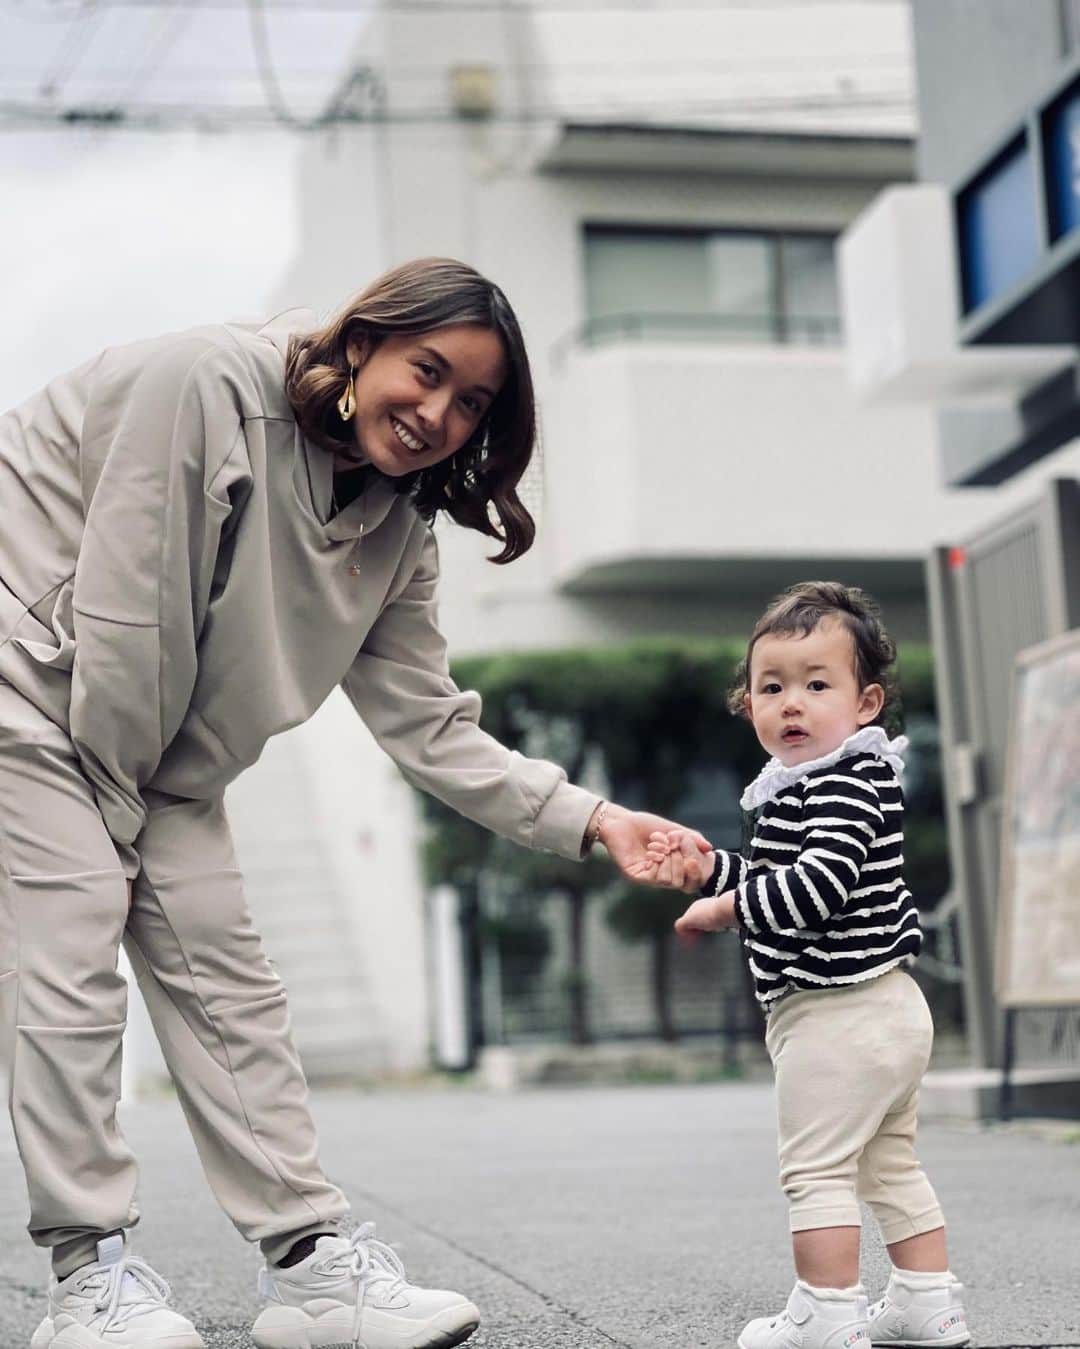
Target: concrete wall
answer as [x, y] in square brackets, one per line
[979, 64]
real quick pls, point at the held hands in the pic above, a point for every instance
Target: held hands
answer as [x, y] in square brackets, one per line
[676, 862]
[626, 835]
[672, 854]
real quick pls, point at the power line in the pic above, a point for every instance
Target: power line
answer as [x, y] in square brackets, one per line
[357, 95]
[264, 64]
[163, 115]
[556, 69]
[169, 29]
[585, 7]
[72, 49]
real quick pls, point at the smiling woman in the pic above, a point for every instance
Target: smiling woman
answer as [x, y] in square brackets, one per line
[200, 536]
[433, 353]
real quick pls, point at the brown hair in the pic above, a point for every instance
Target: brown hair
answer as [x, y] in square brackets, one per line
[799, 610]
[483, 475]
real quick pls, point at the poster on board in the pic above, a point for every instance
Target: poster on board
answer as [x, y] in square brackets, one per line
[1038, 938]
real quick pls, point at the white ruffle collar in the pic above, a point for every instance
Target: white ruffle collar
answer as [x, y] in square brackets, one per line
[775, 777]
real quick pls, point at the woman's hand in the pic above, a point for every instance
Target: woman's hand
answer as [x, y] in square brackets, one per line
[626, 833]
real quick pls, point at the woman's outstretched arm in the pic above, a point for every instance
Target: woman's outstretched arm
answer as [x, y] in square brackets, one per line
[401, 687]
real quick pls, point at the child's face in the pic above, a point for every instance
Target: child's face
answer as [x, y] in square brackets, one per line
[803, 696]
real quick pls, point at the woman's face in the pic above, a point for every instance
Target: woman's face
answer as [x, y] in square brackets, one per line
[419, 398]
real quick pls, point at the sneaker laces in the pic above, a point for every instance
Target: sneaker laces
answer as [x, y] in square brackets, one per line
[125, 1289]
[370, 1262]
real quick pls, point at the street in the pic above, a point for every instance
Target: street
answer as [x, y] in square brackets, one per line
[643, 1217]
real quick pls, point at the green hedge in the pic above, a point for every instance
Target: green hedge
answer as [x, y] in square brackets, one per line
[646, 714]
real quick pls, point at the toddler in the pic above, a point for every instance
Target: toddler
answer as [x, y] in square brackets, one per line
[829, 930]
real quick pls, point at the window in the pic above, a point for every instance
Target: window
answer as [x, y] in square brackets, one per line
[998, 227]
[726, 285]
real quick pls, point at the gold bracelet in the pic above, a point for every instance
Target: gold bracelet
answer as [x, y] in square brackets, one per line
[599, 820]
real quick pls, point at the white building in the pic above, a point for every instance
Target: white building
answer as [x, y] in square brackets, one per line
[963, 296]
[658, 193]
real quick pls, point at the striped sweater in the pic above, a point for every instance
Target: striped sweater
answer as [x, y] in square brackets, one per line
[821, 900]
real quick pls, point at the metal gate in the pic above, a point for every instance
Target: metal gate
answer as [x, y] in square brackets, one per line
[1014, 584]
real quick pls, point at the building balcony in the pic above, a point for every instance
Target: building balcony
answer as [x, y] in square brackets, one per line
[683, 466]
[777, 329]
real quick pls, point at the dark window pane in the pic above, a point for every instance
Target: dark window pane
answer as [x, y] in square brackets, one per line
[646, 274]
[712, 285]
[811, 305]
[742, 286]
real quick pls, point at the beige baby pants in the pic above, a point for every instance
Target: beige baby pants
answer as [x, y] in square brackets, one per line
[848, 1065]
[217, 1006]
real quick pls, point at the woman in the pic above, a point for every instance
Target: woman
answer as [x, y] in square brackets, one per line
[200, 535]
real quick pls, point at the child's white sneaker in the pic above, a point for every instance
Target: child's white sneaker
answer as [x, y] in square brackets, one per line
[118, 1302]
[815, 1318]
[914, 1314]
[353, 1291]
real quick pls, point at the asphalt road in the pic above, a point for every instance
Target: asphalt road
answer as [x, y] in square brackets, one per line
[640, 1217]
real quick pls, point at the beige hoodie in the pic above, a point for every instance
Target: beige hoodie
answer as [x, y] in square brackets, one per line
[174, 592]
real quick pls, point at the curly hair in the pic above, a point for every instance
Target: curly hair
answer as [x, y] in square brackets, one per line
[482, 477]
[799, 610]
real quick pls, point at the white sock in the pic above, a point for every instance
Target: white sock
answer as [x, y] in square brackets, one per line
[917, 1279]
[834, 1294]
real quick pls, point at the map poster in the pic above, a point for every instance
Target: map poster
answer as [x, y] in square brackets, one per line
[1038, 938]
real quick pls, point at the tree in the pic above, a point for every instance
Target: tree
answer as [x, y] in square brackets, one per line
[645, 715]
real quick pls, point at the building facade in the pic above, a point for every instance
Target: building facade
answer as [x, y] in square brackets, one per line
[660, 195]
[990, 231]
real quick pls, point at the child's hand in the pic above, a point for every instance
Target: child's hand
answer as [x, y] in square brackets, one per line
[713, 913]
[677, 861]
[662, 866]
[646, 870]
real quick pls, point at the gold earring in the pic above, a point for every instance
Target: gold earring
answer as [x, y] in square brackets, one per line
[346, 405]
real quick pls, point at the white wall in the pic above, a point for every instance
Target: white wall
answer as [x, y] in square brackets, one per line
[749, 452]
[369, 825]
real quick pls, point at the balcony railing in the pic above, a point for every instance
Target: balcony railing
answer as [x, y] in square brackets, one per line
[807, 330]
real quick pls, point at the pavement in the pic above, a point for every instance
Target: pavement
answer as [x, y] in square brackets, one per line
[642, 1217]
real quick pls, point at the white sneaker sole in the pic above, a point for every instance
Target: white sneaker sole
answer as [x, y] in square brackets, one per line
[75, 1336]
[42, 1338]
[278, 1327]
[944, 1342]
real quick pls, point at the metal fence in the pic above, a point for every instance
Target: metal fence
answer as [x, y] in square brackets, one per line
[708, 992]
[1010, 587]
[804, 330]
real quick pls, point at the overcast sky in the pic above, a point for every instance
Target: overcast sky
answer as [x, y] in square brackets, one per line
[113, 234]
[108, 237]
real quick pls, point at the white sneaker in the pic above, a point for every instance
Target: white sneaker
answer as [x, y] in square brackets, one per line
[353, 1291]
[118, 1302]
[917, 1316]
[815, 1318]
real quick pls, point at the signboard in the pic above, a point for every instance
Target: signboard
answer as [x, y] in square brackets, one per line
[1038, 947]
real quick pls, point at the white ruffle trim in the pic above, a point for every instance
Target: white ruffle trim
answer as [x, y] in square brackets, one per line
[775, 777]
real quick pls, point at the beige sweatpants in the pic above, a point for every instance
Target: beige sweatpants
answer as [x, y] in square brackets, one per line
[848, 1065]
[217, 1006]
